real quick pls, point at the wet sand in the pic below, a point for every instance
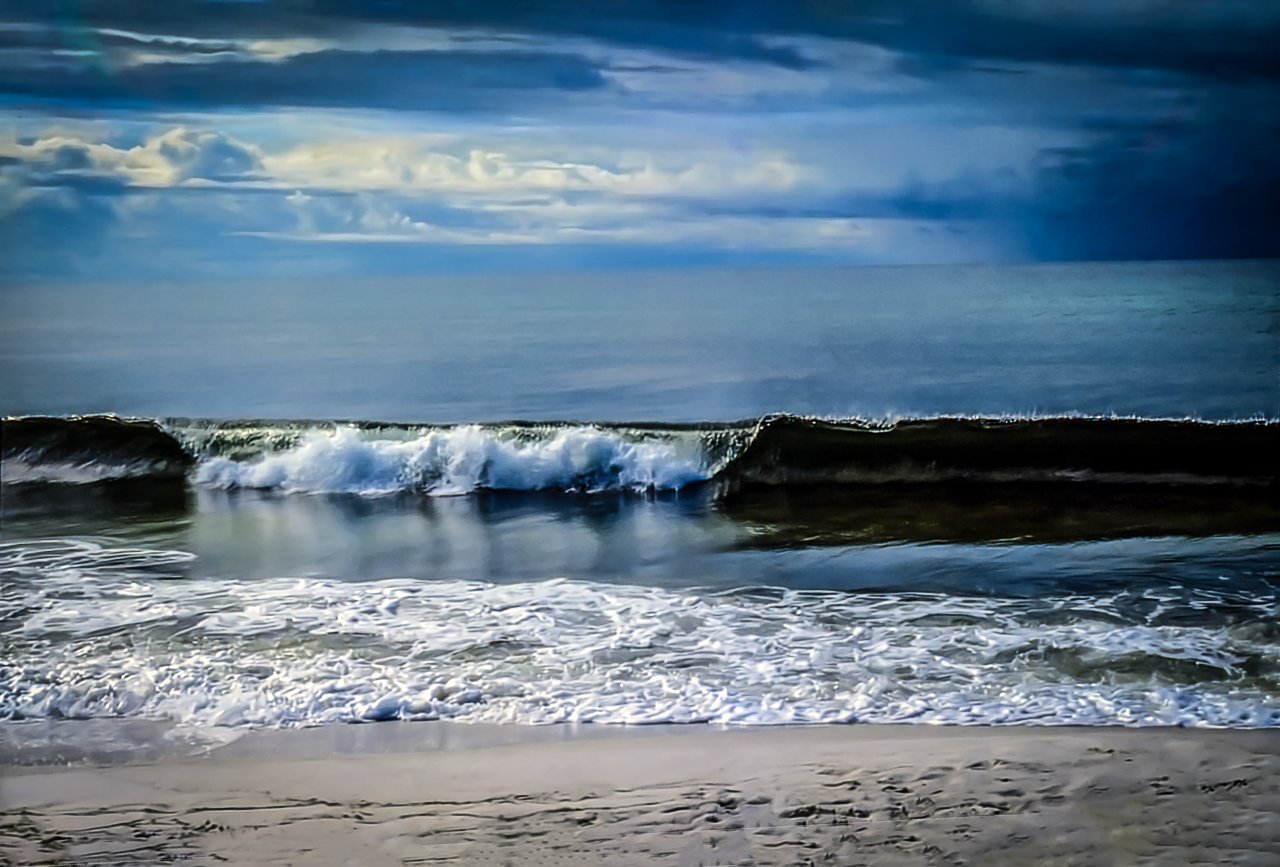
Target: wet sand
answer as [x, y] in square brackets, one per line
[423, 793]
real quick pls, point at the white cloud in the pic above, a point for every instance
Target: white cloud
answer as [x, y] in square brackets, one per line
[179, 156]
[408, 164]
[366, 217]
[447, 189]
[348, 218]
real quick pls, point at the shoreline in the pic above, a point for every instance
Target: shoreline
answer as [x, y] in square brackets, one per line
[396, 793]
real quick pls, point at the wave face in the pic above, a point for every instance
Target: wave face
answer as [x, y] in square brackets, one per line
[375, 458]
[788, 450]
[97, 631]
[88, 449]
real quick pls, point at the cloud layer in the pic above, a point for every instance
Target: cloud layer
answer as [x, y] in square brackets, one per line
[863, 131]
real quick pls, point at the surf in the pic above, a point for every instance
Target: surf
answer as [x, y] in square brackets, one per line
[378, 458]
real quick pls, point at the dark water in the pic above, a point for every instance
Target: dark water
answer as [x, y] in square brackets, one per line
[244, 573]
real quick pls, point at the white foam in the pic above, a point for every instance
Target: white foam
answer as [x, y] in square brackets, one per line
[463, 459]
[90, 634]
[18, 471]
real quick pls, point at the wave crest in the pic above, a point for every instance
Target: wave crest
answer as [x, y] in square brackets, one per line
[463, 459]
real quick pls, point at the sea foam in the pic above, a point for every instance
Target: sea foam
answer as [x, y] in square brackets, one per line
[461, 459]
[99, 636]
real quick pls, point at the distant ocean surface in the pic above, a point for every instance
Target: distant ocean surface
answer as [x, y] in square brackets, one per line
[1162, 339]
[973, 495]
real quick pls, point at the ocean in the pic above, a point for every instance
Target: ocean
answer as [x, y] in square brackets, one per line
[972, 495]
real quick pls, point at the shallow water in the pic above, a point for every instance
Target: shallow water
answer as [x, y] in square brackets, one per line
[670, 622]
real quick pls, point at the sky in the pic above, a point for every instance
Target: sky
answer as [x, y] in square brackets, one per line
[234, 138]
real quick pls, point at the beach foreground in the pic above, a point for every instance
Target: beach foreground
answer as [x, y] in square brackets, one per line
[447, 793]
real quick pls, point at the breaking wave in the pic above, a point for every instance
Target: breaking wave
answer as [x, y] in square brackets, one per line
[375, 458]
[464, 459]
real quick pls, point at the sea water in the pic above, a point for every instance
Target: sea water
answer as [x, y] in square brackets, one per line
[669, 535]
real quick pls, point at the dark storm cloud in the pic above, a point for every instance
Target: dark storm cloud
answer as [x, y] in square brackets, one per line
[1227, 38]
[417, 80]
[86, 50]
[1210, 191]
[1230, 37]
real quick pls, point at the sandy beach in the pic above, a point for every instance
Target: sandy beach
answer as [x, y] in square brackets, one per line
[449, 793]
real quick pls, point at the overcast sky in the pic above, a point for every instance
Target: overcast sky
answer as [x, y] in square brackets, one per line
[250, 138]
